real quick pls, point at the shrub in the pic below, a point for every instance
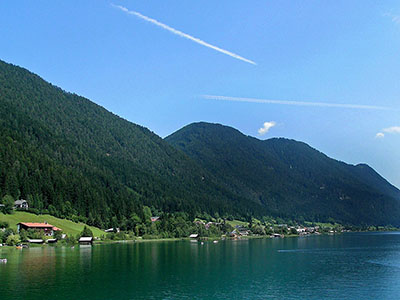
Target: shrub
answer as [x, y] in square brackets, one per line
[4, 225]
[13, 240]
[86, 232]
[8, 202]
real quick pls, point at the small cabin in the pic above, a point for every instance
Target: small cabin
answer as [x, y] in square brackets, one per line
[21, 204]
[194, 236]
[112, 230]
[86, 240]
[277, 235]
[35, 241]
[154, 219]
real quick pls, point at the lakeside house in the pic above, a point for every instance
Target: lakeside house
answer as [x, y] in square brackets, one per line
[86, 240]
[154, 219]
[242, 231]
[194, 236]
[301, 231]
[35, 241]
[47, 228]
[277, 235]
[112, 230]
[21, 204]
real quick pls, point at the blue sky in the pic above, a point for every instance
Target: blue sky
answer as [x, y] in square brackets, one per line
[342, 52]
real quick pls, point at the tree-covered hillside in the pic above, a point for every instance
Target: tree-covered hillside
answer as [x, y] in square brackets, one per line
[290, 178]
[70, 157]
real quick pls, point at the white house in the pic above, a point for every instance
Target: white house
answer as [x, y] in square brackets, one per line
[21, 204]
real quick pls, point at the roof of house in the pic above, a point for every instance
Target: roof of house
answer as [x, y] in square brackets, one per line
[40, 225]
[19, 202]
[86, 239]
[35, 241]
[194, 235]
[37, 225]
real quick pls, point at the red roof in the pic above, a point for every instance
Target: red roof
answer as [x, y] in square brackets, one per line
[57, 229]
[37, 225]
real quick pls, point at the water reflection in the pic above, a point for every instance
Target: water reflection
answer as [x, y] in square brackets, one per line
[355, 266]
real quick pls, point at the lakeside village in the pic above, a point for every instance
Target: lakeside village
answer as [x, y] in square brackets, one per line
[165, 226]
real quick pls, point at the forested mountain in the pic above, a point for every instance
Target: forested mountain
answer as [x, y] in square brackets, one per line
[65, 154]
[290, 178]
[72, 158]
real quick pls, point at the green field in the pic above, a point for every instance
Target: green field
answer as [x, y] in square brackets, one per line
[237, 223]
[67, 226]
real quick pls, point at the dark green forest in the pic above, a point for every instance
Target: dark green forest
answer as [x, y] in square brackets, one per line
[70, 157]
[289, 178]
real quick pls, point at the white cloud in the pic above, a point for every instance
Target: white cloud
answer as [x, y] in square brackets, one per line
[182, 34]
[297, 103]
[393, 129]
[266, 127]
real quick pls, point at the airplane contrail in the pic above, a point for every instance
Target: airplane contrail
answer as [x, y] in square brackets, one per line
[182, 34]
[298, 103]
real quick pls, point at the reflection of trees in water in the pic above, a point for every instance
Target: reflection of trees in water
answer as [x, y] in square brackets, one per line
[85, 256]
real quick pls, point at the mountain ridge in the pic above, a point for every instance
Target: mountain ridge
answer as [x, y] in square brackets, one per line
[285, 175]
[113, 166]
[72, 158]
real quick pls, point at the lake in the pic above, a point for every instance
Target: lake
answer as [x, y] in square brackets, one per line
[346, 266]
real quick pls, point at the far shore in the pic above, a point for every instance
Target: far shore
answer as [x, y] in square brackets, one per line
[158, 240]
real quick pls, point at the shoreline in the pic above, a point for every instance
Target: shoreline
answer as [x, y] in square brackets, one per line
[205, 240]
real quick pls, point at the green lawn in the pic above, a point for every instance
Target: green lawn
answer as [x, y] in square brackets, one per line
[67, 226]
[237, 222]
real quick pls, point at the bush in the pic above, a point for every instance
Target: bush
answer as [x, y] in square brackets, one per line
[58, 234]
[34, 211]
[4, 225]
[8, 202]
[70, 240]
[35, 234]
[86, 232]
[23, 235]
[13, 240]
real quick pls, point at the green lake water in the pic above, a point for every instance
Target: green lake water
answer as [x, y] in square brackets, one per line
[348, 266]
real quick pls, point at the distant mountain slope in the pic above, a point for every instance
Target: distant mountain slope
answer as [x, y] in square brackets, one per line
[70, 157]
[290, 178]
[64, 153]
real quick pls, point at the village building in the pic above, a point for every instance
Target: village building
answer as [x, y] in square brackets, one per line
[277, 235]
[154, 219]
[35, 241]
[117, 230]
[301, 230]
[199, 222]
[194, 236]
[242, 231]
[86, 240]
[21, 204]
[47, 228]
